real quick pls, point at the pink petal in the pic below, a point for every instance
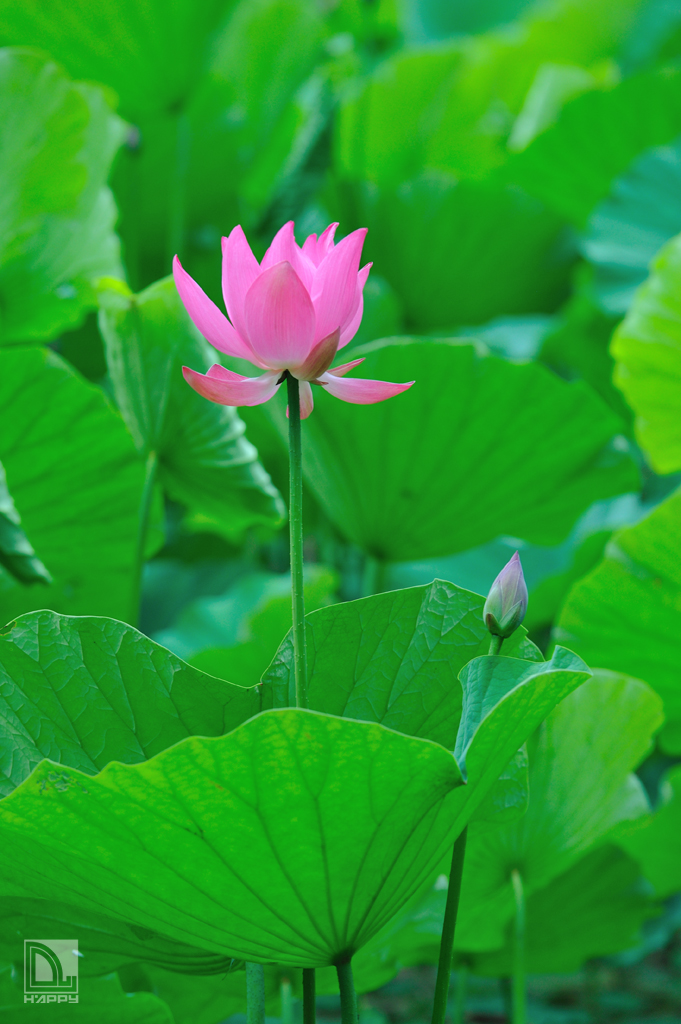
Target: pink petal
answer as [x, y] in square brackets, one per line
[306, 400]
[228, 388]
[284, 248]
[349, 330]
[280, 317]
[340, 371]
[214, 325]
[359, 391]
[310, 248]
[239, 271]
[335, 284]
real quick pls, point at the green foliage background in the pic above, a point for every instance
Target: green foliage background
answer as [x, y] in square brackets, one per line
[518, 166]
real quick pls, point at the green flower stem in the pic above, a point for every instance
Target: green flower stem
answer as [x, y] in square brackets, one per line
[146, 500]
[296, 532]
[444, 966]
[309, 996]
[348, 996]
[460, 994]
[255, 994]
[495, 644]
[286, 996]
[519, 996]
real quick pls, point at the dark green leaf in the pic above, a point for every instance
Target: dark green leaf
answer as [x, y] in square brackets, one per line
[205, 461]
[595, 908]
[580, 790]
[625, 232]
[16, 552]
[459, 459]
[76, 480]
[104, 944]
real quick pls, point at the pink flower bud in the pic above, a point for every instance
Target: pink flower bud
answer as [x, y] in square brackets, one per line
[506, 602]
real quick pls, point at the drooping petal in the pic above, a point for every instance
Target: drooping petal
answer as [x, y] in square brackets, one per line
[360, 391]
[335, 284]
[214, 325]
[284, 248]
[280, 317]
[239, 270]
[351, 326]
[340, 371]
[306, 400]
[228, 388]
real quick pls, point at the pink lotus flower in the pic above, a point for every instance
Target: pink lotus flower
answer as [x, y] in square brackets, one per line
[292, 312]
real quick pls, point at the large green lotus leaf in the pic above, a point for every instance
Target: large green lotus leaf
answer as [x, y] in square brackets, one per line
[647, 350]
[101, 1001]
[458, 460]
[657, 844]
[595, 908]
[16, 552]
[87, 691]
[204, 459]
[581, 788]
[57, 141]
[293, 839]
[104, 944]
[626, 613]
[572, 164]
[76, 480]
[442, 286]
[242, 135]
[155, 50]
[642, 212]
[392, 658]
[451, 108]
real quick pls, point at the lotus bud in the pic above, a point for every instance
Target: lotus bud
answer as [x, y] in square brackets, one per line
[506, 603]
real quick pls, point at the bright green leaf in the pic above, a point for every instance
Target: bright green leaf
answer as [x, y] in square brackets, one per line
[155, 50]
[647, 350]
[626, 613]
[572, 164]
[87, 691]
[392, 658]
[101, 1001]
[204, 459]
[76, 480]
[657, 844]
[184, 843]
[57, 141]
[460, 460]
[16, 553]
